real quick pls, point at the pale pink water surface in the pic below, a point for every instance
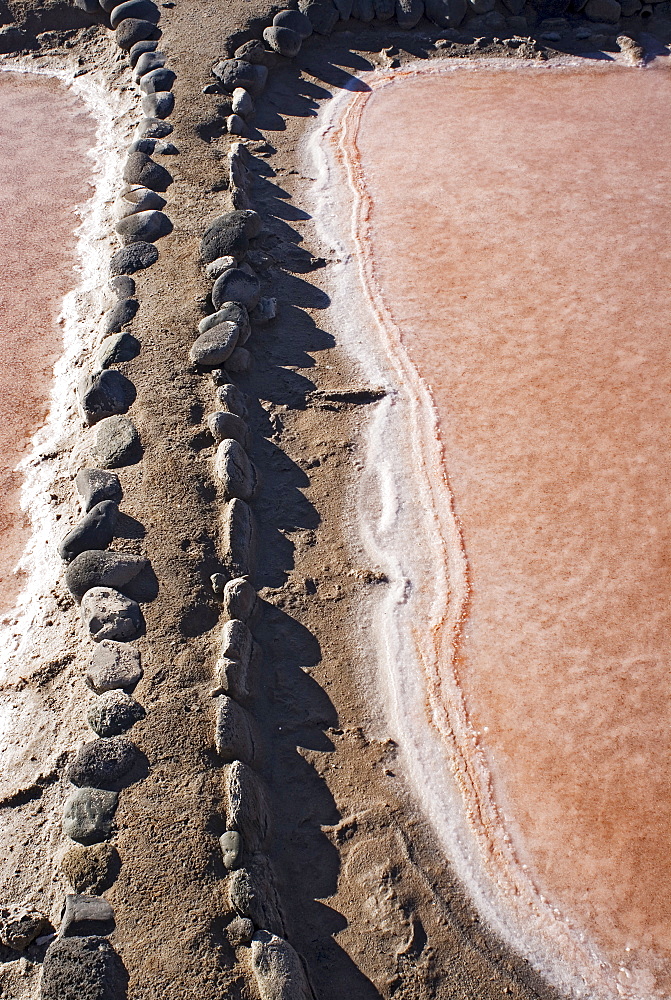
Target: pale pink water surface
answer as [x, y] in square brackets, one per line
[45, 133]
[520, 237]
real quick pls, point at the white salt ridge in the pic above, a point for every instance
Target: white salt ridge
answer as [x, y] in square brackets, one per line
[407, 526]
[39, 628]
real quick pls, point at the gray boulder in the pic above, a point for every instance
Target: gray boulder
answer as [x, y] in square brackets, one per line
[133, 30]
[122, 285]
[108, 614]
[146, 62]
[139, 198]
[94, 531]
[117, 443]
[117, 349]
[215, 346]
[239, 599]
[149, 226]
[322, 14]
[295, 20]
[446, 13]
[247, 808]
[86, 915]
[135, 257]
[282, 40]
[233, 73]
[231, 312]
[114, 665]
[235, 285]
[235, 471]
[82, 968]
[88, 814]
[253, 894]
[141, 169]
[103, 762]
[139, 49]
[154, 128]
[236, 641]
[277, 968]
[102, 394]
[120, 315]
[254, 52]
[96, 485]
[158, 81]
[101, 569]
[235, 735]
[158, 105]
[229, 235]
[232, 399]
[113, 713]
[139, 9]
[224, 425]
[238, 536]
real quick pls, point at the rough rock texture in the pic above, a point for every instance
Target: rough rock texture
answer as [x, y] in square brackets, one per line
[235, 285]
[113, 665]
[283, 40]
[102, 763]
[139, 49]
[235, 471]
[117, 443]
[231, 312]
[235, 736]
[239, 600]
[278, 969]
[101, 569]
[247, 808]
[113, 713]
[253, 894]
[229, 425]
[91, 869]
[96, 485]
[88, 814]
[20, 925]
[85, 915]
[109, 615]
[83, 968]
[102, 394]
[94, 531]
[233, 73]
[238, 539]
[409, 13]
[216, 345]
[231, 398]
[133, 258]
[229, 235]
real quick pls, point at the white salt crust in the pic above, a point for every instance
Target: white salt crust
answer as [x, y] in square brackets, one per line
[402, 516]
[42, 628]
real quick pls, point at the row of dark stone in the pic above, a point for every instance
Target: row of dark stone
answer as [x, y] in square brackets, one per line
[81, 961]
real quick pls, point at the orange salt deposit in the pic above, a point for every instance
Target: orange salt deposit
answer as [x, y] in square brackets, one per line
[44, 136]
[520, 228]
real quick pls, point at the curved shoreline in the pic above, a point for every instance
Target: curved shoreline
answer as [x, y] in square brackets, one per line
[418, 670]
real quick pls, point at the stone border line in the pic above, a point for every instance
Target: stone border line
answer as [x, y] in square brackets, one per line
[81, 958]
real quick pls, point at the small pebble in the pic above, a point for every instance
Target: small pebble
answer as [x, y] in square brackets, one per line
[239, 932]
[231, 848]
[102, 762]
[265, 311]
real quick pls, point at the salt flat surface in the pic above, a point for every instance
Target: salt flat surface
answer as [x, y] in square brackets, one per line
[45, 133]
[512, 229]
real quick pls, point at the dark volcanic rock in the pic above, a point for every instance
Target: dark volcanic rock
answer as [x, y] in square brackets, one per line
[94, 531]
[235, 285]
[83, 968]
[295, 20]
[101, 569]
[158, 105]
[113, 713]
[255, 52]
[322, 14]
[117, 443]
[105, 393]
[231, 312]
[146, 62]
[90, 6]
[116, 349]
[96, 485]
[108, 614]
[139, 49]
[19, 926]
[88, 815]
[283, 40]
[148, 226]
[139, 9]
[216, 345]
[135, 257]
[229, 235]
[134, 30]
[114, 665]
[446, 13]
[141, 169]
[102, 763]
[120, 315]
[158, 80]
[123, 286]
[233, 73]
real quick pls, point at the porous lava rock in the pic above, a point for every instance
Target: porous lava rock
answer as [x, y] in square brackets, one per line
[102, 763]
[113, 713]
[135, 257]
[91, 869]
[82, 968]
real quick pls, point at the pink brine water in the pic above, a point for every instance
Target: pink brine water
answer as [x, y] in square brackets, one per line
[44, 137]
[518, 232]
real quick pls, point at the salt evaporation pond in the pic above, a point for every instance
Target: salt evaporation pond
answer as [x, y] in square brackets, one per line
[45, 133]
[514, 229]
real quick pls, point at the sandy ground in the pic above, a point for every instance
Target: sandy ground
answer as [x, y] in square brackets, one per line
[369, 900]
